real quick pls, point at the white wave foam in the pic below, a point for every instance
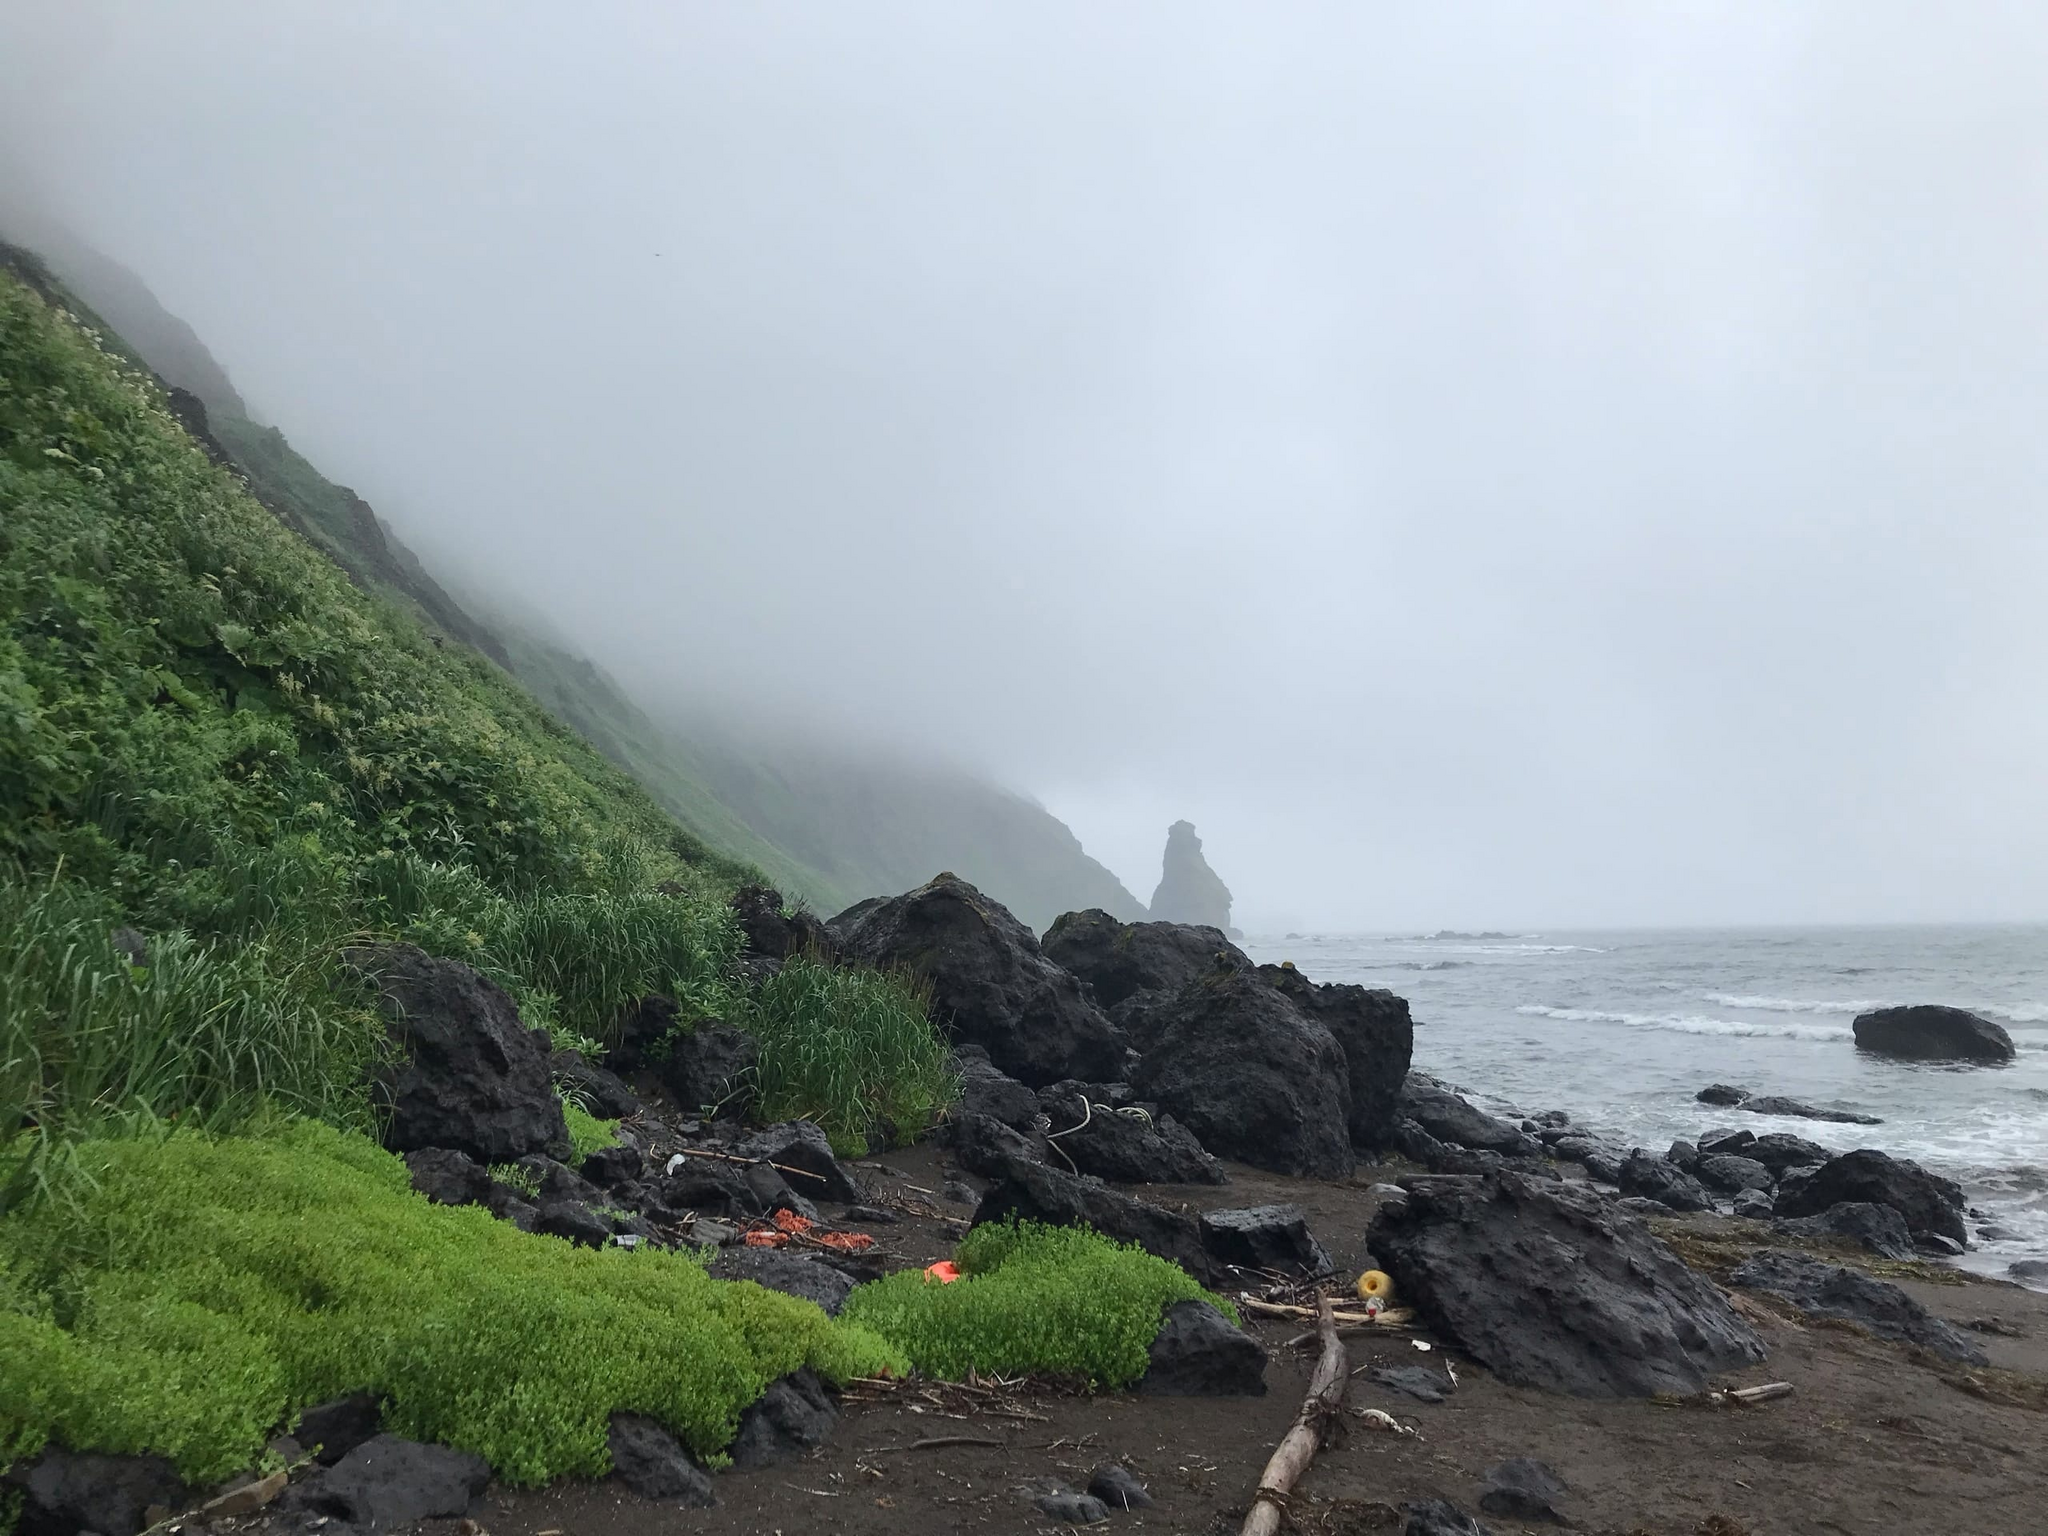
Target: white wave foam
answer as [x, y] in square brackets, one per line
[1794, 1004]
[1688, 1023]
[2022, 1013]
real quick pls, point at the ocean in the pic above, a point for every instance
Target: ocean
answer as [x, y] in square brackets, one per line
[1621, 1029]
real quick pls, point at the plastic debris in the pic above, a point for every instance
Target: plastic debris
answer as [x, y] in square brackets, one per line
[945, 1272]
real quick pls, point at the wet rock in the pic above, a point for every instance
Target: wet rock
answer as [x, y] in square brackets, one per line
[800, 1152]
[613, 1167]
[1602, 1159]
[1732, 1174]
[1721, 1093]
[650, 1461]
[474, 1078]
[1377, 1035]
[992, 985]
[1130, 1150]
[2029, 1270]
[1929, 1203]
[1648, 1176]
[1197, 1353]
[1274, 1238]
[794, 1414]
[1878, 1228]
[336, 1427]
[1774, 1104]
[1684, 1156]
[1931, 1032]
[987, 1090]
[711, 1068]
[1113, 1483]
[1939, 1245]
[1548, 1286]
[447, 1177]
[1449, 1117]
[387, 1482]
[1727, 1142]
[1780, 1151]
[598, 1090]
[573, 1220]
[774, 929]
[1523, 1488]
[1752, 1205]
[790, 1273]
[1835, 1290]
[1034, 1192]
[1252, 1076]
[1071, 1507]
[1440, 1517]
[1419, 1382]
[70, 1491]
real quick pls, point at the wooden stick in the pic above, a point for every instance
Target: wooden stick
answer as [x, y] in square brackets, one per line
[1392, 1317]
[1297, 1447]
[935, 1442]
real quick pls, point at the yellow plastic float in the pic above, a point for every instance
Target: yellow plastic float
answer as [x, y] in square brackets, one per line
[1376, 1285]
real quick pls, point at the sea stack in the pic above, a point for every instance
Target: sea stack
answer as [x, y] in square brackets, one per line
[1189, 890]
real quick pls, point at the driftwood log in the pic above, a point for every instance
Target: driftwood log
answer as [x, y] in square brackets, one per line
[1297, 1448]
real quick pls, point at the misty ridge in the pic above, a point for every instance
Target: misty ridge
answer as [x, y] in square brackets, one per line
[1481, 474]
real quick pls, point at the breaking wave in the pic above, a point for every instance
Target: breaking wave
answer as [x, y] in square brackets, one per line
[1689, 1023]
[1794, 1004]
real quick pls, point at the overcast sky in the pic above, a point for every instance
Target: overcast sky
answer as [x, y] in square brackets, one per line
[1485, 465]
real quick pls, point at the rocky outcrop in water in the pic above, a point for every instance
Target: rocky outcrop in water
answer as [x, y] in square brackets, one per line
[1929, 1203]
[1189, 890]
[1931, 1032]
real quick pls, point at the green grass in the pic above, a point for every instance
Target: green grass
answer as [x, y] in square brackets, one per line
[204, 1289]
[1055, 1301]
[587, 1133]
[853, 1050]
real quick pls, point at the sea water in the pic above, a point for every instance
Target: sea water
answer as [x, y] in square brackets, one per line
[1622, 1029]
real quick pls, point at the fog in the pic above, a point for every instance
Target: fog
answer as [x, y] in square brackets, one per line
[1532, 465]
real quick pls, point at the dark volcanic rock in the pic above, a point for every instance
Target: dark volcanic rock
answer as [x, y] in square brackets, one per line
[1197, 1353]
[987, 1090]
[1122, 960]
[641, 1030]
[1125, 1148]
[598, 1090]
[1732, 1174]
[802, 1154]
[705, 1186]
[790, 1273]
[1928, 1202]
[1071, 1508]
[334, 1428]
[611, 1167]
[1684, 1156]
[1721, 1093]
[1602, 1159]
[1548, 1286]
[1931, 1032]
[1878, 1228]
[386, 1482]
[1189, 891]
[1523, 1488]
[1751, 1205]
[474, 1079]
[985, 1146]
[1798, 1109]
[992, 986]
[1440, 1517]
[1418, 1381]
[1269, 1237]
[1034, 1192]
[507, 1204]
[1252, 1076]
[574, 1220]
[1449, 1117]
[1835, 1290]
[648, 1460]
[711, 1067]
[71, 1491]
[794, 1414]
[447, 1178]
[775, 931]
[1726, 1143]
[1113, 1483]
[1378, 1037]
[1780, 1151]
[1650, 1177]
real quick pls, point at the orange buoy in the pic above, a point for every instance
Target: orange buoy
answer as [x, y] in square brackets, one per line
[945, 1271]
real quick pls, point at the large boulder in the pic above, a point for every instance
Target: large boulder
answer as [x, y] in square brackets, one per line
[1878, 1228]
[1119, 960]
[69, 1491]
[987, 1090]
[1781, 1150]
[1099, 1138]
[650, 1461]
[1031, 1191]
[387, 1482]
[1274, 1238]
[772, 929]
[1189, 890]
[1732, 1173]
[992, 985]
[596, 1088]
[1199, 1353]
[1549, 1286]
[795, 1414]
[1932, 1032]
[1650, 1177]
[1448, 1117]
[447, 1178]
[801, 1153]
[711, 1067]
[1602, 1159]
[473, 1079]
[1928, 1202]
[1378, 1036]
[1253, 1076]
[1835, 1290]
[790, 1273]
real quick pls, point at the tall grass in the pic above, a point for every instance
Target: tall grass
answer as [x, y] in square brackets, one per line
[853, 1050]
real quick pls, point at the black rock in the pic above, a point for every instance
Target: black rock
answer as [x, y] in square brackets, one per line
[1835, 1290]
[612, 1167]
[1189, 891]
[1684, 1156]
[1448, 1117]
[992, 985]
[1548, 1286]
[1751, 1205]
[1931, 1032]
[711, 1068]
[1122, 960]
[558, 1181]
[775, 930]
[794, 1414]
[648, 1460]
[1648, 1176]
[1252, 1076]
[771, 1192]
[984, 1145]
[1726, 1143]
[446, 1177]
[1275, 1238]
[1524, 1489]
[1929, 1202]
[1034, 1192]
[1721, 1093]
[1732, 1174]
[473, 1077]
[66, 1492]
[2028, 1269]
[1939, 1245]
[1602, 1159]
[1773, 1104]
[870, 1216]
[705, 1186]
[599, 1091]
[642, 1033]
[574, 1220]
[1073, 1508]
[1377, 1035]
[1440, 1517]
[334, 1428]
[1644, 1207]
[1197, 1353]
[1417, 1381]
[386, 1482]
[987, 1090]
[1780, 1151]
[1878, 1228]
[1113, 1483]
[1130, 1150]
[507, 1204]
[790, 1273]
[800, 1152]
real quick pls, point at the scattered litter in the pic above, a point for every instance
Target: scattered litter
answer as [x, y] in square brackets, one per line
[945, 1272]
[1424, 1345]
[1743, 1396]
[1376, 1290]
[1379, 1418]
